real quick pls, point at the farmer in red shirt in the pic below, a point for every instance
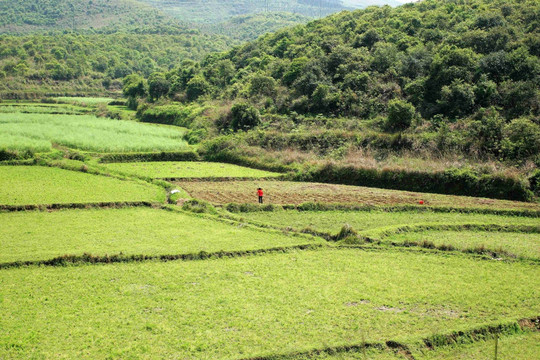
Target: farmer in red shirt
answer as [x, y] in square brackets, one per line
[260, 193]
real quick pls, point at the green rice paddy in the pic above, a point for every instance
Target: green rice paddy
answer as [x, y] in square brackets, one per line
[132, 231]
[332, 221]
[35, 185]
[39, 132]
[254, 302]
[188, 169]
[37, 108]
[255, 306]
[84, 100]
[519, 244]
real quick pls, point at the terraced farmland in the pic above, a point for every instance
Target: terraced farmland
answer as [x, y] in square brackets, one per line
[332, 221]
[286, 192]
[121, 272]
[229, 308]
[39, 132]
[525, 245]
[35, 236]
[36, 185]
[188, 169]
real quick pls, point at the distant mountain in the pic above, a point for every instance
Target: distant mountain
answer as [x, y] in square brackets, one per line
[250, 27]
[366, 3]
[216, 11]
[44, 15]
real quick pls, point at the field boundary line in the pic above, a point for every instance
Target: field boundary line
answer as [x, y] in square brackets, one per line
[482, 333]
[238, 222]
[348, 237]
[221, 179]
[89, 259]
[400, 229]
[65, 206]
[236, 208]
[381, 234]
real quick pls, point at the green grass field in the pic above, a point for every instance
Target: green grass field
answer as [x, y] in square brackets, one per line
[133, 231]
[34, 185]
[84, 100]
[262, 305]
[85, 132]
[519, 244]
[270, 303]
[332, 221]
[287, 192]
[39, 108]
[188, 169]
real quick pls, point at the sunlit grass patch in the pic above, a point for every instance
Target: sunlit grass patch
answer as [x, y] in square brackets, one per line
[38, 108]
[333, 221]
[84, 100]
[230, 308]
[85, 132]
[513, 243]
[32, 236]
[29, 185]
[189, 169]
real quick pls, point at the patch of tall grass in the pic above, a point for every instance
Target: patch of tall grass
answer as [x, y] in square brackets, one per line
[39, 131]
[16, 142]
[84, 100]
[40, 109]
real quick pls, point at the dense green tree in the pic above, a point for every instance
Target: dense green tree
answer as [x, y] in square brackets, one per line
[197, 87]
[261, 85]
[158, 86]
[521, 139]
[485, 131]
[457, 99]
[400, 115]
[134, 86]
[244, 117]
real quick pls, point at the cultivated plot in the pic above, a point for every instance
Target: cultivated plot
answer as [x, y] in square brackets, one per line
[511, 243]
[36, 185]
[188, 169]
[39, 132]
[84, 100]
[286, 192]
[245, 307]
[32, 236]
[39, 108]
[332, 221]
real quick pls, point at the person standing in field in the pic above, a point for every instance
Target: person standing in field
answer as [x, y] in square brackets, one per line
[261, 194]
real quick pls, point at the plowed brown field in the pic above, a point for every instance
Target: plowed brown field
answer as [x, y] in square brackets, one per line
[286, 192]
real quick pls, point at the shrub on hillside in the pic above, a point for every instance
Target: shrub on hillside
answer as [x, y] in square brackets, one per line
[400, 115]
[521, 139]
[170, 114]
[241, 117]
[534, 180]
[450, 181]
[199, 207]
[158, 86]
